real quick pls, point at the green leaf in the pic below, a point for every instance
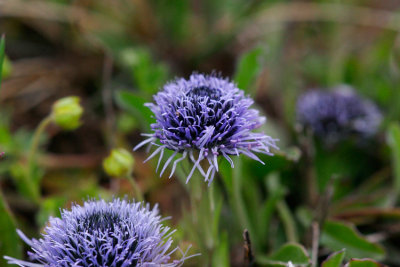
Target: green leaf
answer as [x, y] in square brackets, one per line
[393, 139]
[267, 209]
[248, 68]
[337, 235]
[363, 263]
[290, 252]
[27, 186]
[334, 260]
[221, 253]
[174, 19]
[147, 74]
[10, 244]
[287, 219]
[2, 53]
[135, 104]
[217, 212]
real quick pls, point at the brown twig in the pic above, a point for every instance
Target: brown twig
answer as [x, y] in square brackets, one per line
[54, 161]
[369, 212]
[321, 212]
[324, 203]
[315, 244]
[248, 253]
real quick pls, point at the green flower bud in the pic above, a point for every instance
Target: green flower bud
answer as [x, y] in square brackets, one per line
[67, 112]
[119, 163]
[7, 68]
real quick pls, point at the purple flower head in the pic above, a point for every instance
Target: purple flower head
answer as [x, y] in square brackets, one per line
[100, 233]
[205, 116]
[338, 114]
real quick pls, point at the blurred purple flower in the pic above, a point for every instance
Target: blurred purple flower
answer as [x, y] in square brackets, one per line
[206, 116]
[100, 233]
[338, 114]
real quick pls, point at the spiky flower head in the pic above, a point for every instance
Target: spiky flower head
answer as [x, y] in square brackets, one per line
[100, 233]
[205, 116]
[337, 114]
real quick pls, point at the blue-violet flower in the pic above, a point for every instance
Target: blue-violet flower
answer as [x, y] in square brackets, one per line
[100, 233]
[205, 116]
[335, 115]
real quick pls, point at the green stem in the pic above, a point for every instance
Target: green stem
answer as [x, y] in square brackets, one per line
[195, 197]
[206, 216]
[288, 221]
[202, 213]
[237, 196]
[28, 179]
[210, 193]
[35, 141]
[136, 189]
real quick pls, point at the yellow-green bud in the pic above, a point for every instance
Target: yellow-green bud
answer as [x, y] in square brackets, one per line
[119, 163]
[7, 68]
[67, 112]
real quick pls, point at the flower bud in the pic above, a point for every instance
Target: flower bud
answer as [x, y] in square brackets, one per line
[7, 68]
[119, 163]
[67, 112]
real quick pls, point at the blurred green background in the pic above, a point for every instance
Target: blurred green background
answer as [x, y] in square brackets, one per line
[115, 54]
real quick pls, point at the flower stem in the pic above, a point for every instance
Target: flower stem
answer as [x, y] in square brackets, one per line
[194, 194]
[237, 197]
[35, 142]
[211, 197]
[32, 187]
[203, 213]
[315, 244]
[136, 189]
